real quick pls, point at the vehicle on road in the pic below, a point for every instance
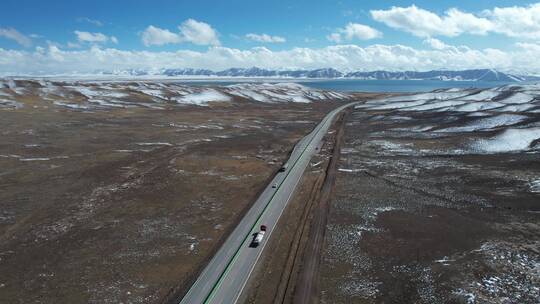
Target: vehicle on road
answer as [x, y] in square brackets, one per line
[274, 185]
[284, 167]
[258, 237]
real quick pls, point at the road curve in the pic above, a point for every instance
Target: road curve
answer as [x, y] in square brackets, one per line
[224, 278]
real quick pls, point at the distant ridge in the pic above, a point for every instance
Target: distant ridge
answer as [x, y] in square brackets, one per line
[330, 73]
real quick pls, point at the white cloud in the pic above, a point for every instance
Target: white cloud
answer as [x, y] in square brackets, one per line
[156, 36]
[56, 54]
[265, 38]
[199, 33]
[354, 31]
[462, 22]
[529, 46]
[344, 57]
[114, 40]
[91, 37]
[521, 22]
[73, 45]
[13, 34]
[436, 43]
[517, 21]
[190, 31]
[424, 23]
[335, 37]
[91, 21]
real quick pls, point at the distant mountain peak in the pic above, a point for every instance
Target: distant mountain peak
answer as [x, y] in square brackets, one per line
[331, 73]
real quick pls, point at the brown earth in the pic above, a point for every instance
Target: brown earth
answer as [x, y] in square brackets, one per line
[412, 223]
[126, 205]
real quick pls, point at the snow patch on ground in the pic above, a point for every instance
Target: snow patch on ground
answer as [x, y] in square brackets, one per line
[516, 279]
[509, 140]
[505, 109]
[480, 96]
[249, 94]
[524, 98]
[281, 92]
[84, 95]
[399, 105]
[70, 105]
[518, 98]
[154, 144]
[469, 297]
[488, 123]
[350, 170]
[10, 104]
[91, 93]
[478, 106]
[203, 98]
[534, 185]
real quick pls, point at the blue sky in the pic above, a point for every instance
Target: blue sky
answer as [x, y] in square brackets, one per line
[265, 31]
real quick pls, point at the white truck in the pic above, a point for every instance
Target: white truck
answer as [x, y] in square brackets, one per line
[258, 237]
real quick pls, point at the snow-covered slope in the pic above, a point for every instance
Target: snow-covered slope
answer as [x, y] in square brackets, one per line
[525, 98]
[280, 92]
[503, 119]
[92, 95]
[510, 140]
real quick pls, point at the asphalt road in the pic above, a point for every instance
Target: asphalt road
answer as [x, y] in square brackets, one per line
[224, 278]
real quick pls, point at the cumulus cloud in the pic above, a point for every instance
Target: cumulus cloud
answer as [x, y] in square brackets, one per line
[54, 60]
[13, 34]
[529, 46]
[265, 38]
[156, 36]
[191, 30]
[91, 37]
[423, 23]
[516, 21]
[199, 33]
[520, 22]
[436, 43]
[354, 31]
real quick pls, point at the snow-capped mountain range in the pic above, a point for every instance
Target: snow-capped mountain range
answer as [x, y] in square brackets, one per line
[330, 73]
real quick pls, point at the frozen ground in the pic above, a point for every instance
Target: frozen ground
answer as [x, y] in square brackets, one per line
[506, 115]
[437, 201]
[119, 192]
[79, 95]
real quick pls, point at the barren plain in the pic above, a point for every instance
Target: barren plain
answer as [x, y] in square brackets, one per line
[119, 192]
[437, 200]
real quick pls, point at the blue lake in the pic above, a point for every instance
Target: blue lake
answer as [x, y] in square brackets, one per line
[356, 85]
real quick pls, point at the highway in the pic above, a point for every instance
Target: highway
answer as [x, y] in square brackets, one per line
[226, 275]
